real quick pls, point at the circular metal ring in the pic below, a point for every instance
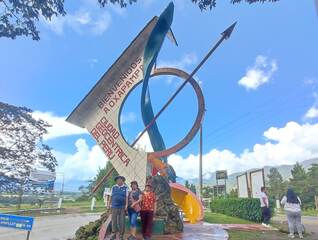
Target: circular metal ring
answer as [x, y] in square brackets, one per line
[201, 108]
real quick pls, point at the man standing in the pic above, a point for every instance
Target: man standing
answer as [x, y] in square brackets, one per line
[266, 214]
[119, 204]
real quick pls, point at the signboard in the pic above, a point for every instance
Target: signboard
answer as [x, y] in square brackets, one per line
[99, 112]
[242, 186]
[221, 175]
[219, 190]
[38, 175]
[17, 222]
[257, 180]
[48, 185]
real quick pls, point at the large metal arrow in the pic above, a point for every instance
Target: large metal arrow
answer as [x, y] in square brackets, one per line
[225, 35]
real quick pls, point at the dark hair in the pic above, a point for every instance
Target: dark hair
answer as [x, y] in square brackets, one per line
[134, 182]
[291, 196]
[263, 188]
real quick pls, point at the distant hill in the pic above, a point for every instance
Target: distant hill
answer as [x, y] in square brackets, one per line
[285, 171]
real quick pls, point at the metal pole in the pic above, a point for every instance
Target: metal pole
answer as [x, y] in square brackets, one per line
[62, 185]
[28, 235]
[200, 164]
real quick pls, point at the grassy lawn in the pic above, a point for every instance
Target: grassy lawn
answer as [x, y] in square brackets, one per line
[268, 235]
[310, 212]
[84, 206]
[78, 206]
[219, 218]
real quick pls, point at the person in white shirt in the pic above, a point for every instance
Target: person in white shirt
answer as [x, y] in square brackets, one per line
[292, 207]
[266, 213]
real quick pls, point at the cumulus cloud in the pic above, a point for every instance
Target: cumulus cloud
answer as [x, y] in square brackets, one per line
[144, 143]
[259, 74]
[81, 21]
[59, 127]
[286, 145]
[130, 117]
[83, 163]
[312, 112]
[183, 63]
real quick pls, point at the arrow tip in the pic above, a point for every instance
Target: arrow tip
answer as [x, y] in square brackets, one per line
[227, 33]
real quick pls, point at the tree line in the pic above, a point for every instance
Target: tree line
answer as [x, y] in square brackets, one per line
[20, 17]
[304, 183]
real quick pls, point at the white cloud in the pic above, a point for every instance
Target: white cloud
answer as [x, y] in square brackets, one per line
[259, 74]
[312, 112]
[83, 164]
[310, 81]
[130, 117]
[92, 62]
[286, 145]
[59, 127]
[88, 18]
[144, 143]
[184, 63]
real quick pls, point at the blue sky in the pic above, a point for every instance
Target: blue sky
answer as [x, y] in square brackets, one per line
[260, 85]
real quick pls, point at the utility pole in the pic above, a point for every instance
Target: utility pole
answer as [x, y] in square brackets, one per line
[200, 165]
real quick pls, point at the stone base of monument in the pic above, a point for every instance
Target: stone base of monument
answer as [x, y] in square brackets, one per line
[158, 226]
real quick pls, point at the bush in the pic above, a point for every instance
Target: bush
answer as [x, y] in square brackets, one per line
[246, 208]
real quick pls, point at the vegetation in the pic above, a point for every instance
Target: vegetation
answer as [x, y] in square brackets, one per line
[305, 184]
[19, 17]
[21, 148]
[277, 187]
[87, 190]
[190, 186]
[207, 191]
[251, 235]
[218, 218]
[245, 208]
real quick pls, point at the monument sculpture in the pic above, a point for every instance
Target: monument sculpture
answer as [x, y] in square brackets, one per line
[99, 112]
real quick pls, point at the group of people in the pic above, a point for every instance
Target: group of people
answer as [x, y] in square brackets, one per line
[134, 202]
[292, 207]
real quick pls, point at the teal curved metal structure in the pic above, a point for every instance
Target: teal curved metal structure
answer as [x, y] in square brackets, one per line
[151, 52]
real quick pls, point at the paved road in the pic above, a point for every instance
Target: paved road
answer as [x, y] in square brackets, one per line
[310, 223]
[60, 227]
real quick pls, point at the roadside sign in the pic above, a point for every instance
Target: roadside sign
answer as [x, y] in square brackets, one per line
[18, 222]
[221, 175]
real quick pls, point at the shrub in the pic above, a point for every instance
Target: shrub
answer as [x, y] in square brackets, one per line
[246, 208]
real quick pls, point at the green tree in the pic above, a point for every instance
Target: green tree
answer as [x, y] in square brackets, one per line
[19, 17]
[107, 184]
[22, 149]
[277, 187]
[233, 193]
[187, 185]
[298, 181]
[312, 187]
[207, 192]
[193, 189]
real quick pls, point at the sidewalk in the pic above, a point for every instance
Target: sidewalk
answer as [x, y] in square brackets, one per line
[310, 222]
